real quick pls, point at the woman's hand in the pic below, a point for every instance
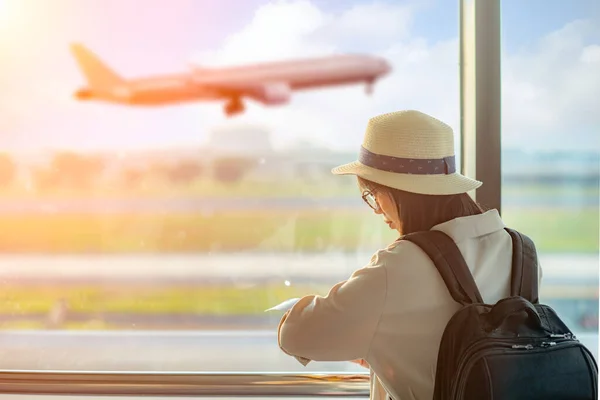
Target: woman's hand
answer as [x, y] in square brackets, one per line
[362, 363]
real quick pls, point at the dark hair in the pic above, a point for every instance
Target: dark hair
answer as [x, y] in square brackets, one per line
[421, 212]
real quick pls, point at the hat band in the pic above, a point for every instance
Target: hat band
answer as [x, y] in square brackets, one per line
[418, 166]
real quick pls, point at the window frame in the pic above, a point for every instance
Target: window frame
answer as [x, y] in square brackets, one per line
[183, 384]
[480, 98]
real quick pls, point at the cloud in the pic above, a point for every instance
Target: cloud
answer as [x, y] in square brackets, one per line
[289, 29]
[369, 25]
[278, 30]
[549, 89]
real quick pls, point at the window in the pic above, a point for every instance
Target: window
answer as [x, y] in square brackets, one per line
[153, 237]
[550, 149]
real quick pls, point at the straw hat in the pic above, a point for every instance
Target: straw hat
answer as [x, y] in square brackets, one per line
[410, 151]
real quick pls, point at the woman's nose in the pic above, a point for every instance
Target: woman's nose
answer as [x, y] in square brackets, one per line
[377, 210]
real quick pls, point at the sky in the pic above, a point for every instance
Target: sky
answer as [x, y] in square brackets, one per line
[550, 60]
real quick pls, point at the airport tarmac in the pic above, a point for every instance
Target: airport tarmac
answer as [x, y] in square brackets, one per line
[224, 351]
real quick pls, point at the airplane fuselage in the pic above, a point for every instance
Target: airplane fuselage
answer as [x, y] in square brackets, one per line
[156, 91]
[235, 82]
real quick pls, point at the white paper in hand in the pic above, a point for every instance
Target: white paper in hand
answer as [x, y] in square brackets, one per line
[285, 306]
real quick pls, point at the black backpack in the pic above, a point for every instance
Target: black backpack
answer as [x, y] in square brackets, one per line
[516, 349]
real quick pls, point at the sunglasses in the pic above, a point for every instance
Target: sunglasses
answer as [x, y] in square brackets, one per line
[370, 199]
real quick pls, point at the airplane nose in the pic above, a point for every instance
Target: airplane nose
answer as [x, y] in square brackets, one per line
[384, 67]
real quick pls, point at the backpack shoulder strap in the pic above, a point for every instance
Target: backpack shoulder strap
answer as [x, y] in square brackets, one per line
[524, 275]
[450, 264]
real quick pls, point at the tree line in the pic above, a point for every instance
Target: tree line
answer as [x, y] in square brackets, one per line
[81, 171]
[70, 170]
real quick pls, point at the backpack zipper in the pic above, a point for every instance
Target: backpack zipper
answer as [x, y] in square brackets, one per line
[485, 341]
[563, 336]
[466, 364]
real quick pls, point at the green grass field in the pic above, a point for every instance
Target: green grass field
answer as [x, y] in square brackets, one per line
[554, 230]
[158, 299]
[557, 230]
[28, 306]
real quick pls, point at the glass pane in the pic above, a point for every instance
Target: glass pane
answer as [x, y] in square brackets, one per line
[551, 149]
[144, 228]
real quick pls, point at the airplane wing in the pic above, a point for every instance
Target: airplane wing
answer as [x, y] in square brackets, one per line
[269, 93]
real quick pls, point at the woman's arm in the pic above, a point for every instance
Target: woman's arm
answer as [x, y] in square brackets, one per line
[339, 326]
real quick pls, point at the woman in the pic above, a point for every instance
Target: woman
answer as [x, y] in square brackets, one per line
[390, 315]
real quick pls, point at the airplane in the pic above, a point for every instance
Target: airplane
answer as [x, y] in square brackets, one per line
[268, 83]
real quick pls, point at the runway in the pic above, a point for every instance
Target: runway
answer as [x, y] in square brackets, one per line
[221, 351]
[235, 267]
[226, 351]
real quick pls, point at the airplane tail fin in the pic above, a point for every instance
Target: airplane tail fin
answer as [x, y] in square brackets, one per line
[98, 74]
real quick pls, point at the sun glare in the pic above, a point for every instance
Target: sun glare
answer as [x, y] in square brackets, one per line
[4, 13]
[8, 12]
